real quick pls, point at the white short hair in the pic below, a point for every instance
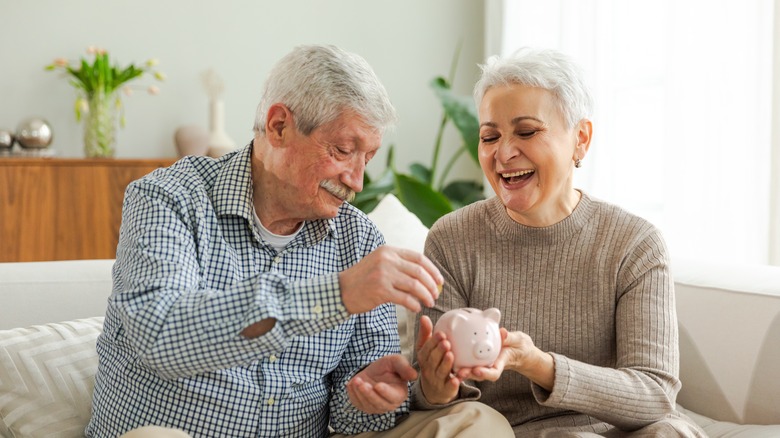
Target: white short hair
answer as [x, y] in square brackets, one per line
[319, 83]
[540, 68]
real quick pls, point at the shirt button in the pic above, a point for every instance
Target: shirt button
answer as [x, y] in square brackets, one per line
[272, 358]
[277, 259]
[270, 401]
[317, 309]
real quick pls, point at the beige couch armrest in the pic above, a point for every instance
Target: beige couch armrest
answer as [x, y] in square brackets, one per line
[729, 318]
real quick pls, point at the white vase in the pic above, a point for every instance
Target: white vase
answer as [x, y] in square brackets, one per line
[219, 141]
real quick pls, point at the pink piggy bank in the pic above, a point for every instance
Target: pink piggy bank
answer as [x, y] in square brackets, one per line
[473, 334]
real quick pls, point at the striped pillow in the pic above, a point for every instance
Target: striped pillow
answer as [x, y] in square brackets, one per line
[47, 373]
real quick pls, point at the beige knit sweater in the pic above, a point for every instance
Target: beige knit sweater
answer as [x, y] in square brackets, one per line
[593, 289]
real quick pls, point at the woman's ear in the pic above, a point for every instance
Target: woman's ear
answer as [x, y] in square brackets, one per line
[277, 120]
[584, 135]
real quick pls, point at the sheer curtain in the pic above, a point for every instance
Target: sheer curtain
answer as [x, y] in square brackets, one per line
[682, 128]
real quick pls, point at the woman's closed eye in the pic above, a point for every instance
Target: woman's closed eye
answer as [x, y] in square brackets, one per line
[488, 138]
[526, 133]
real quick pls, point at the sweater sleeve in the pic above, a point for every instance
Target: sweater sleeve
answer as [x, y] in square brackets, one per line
[643, 386]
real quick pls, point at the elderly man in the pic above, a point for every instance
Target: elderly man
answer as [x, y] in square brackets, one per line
[249, 298]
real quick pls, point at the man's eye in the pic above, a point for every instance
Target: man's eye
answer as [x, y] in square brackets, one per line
[339, 152]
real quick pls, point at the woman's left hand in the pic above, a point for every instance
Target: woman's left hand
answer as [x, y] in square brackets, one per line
[518, 353]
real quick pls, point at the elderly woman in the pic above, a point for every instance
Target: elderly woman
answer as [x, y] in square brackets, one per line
[587, 301]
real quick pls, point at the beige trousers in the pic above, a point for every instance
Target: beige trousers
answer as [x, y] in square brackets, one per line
[462, 420]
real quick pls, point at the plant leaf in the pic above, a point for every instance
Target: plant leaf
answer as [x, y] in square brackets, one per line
[421, 199]
[421, 172]
[462, 192]
[462, 112]
[376, 189]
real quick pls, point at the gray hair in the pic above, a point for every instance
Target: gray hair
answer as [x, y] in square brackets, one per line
[318, 83]
[540, 68]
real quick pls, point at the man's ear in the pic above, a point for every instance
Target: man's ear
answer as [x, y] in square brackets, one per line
[278, 121]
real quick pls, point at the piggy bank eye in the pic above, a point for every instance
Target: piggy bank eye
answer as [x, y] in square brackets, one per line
[475, 333]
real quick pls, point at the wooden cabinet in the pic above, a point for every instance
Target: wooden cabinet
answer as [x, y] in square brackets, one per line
[64, 209]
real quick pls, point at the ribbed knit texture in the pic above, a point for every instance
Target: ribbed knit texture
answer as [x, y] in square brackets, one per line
[593, 289]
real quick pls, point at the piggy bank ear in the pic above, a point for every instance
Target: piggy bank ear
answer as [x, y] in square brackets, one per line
[493, 314]
[457, 319]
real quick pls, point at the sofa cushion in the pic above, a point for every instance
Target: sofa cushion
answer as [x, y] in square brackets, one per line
[403, 229]
[724, 429]
[46, 378]
[43, 292]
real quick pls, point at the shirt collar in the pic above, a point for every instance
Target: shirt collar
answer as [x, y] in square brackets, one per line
[232, 195]
[232, 190]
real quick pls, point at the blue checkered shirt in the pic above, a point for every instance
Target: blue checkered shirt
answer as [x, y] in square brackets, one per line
[191, 273]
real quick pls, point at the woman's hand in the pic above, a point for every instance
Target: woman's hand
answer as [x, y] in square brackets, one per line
[518, 353]
[435, 358]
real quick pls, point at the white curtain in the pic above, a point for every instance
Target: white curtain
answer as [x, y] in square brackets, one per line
[683, 121]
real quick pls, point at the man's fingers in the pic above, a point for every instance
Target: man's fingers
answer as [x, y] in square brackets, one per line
[402, 368]
[425, 262]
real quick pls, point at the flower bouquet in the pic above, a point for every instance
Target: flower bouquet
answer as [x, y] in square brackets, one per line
[99, 102]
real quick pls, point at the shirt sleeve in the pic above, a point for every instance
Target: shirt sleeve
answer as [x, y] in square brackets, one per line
[177, 325]
[643, 386]
[375, 336]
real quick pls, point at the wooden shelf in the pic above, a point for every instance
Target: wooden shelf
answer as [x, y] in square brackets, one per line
[64, 208]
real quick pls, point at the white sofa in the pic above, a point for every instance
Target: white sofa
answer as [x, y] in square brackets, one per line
[50, 316]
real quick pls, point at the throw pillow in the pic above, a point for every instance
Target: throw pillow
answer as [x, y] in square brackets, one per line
[47, 374]
[403, 229]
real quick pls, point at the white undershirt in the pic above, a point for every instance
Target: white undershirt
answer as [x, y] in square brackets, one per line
[277, 242]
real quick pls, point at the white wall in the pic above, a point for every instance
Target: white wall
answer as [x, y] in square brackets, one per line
[408, 42]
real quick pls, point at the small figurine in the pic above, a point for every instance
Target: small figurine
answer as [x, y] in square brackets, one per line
[473, 334]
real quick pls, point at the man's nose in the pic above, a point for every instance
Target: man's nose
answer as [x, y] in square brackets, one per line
[353, 177]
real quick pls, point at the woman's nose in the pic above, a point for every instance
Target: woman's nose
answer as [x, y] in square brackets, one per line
[506, 150]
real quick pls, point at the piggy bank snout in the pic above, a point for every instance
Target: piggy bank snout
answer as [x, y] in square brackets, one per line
[484, 350]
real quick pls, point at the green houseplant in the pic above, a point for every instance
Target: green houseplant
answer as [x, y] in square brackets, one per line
[424, 190]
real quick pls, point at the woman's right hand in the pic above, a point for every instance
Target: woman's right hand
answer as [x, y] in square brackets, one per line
[435, 359]
[518, 353]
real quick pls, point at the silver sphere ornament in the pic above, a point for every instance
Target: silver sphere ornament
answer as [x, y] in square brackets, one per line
[6, 139]
[34, 133]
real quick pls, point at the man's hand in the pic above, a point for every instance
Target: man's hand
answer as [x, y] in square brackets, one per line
[435, 358]
[390, 275]
[382, 386]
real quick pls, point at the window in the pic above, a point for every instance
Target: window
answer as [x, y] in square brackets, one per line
[682, 126]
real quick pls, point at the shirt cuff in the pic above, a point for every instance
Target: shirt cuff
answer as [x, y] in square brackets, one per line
[315, 305]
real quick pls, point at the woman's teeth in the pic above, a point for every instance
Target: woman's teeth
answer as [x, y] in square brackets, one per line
[513, 177]
[518, 173]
